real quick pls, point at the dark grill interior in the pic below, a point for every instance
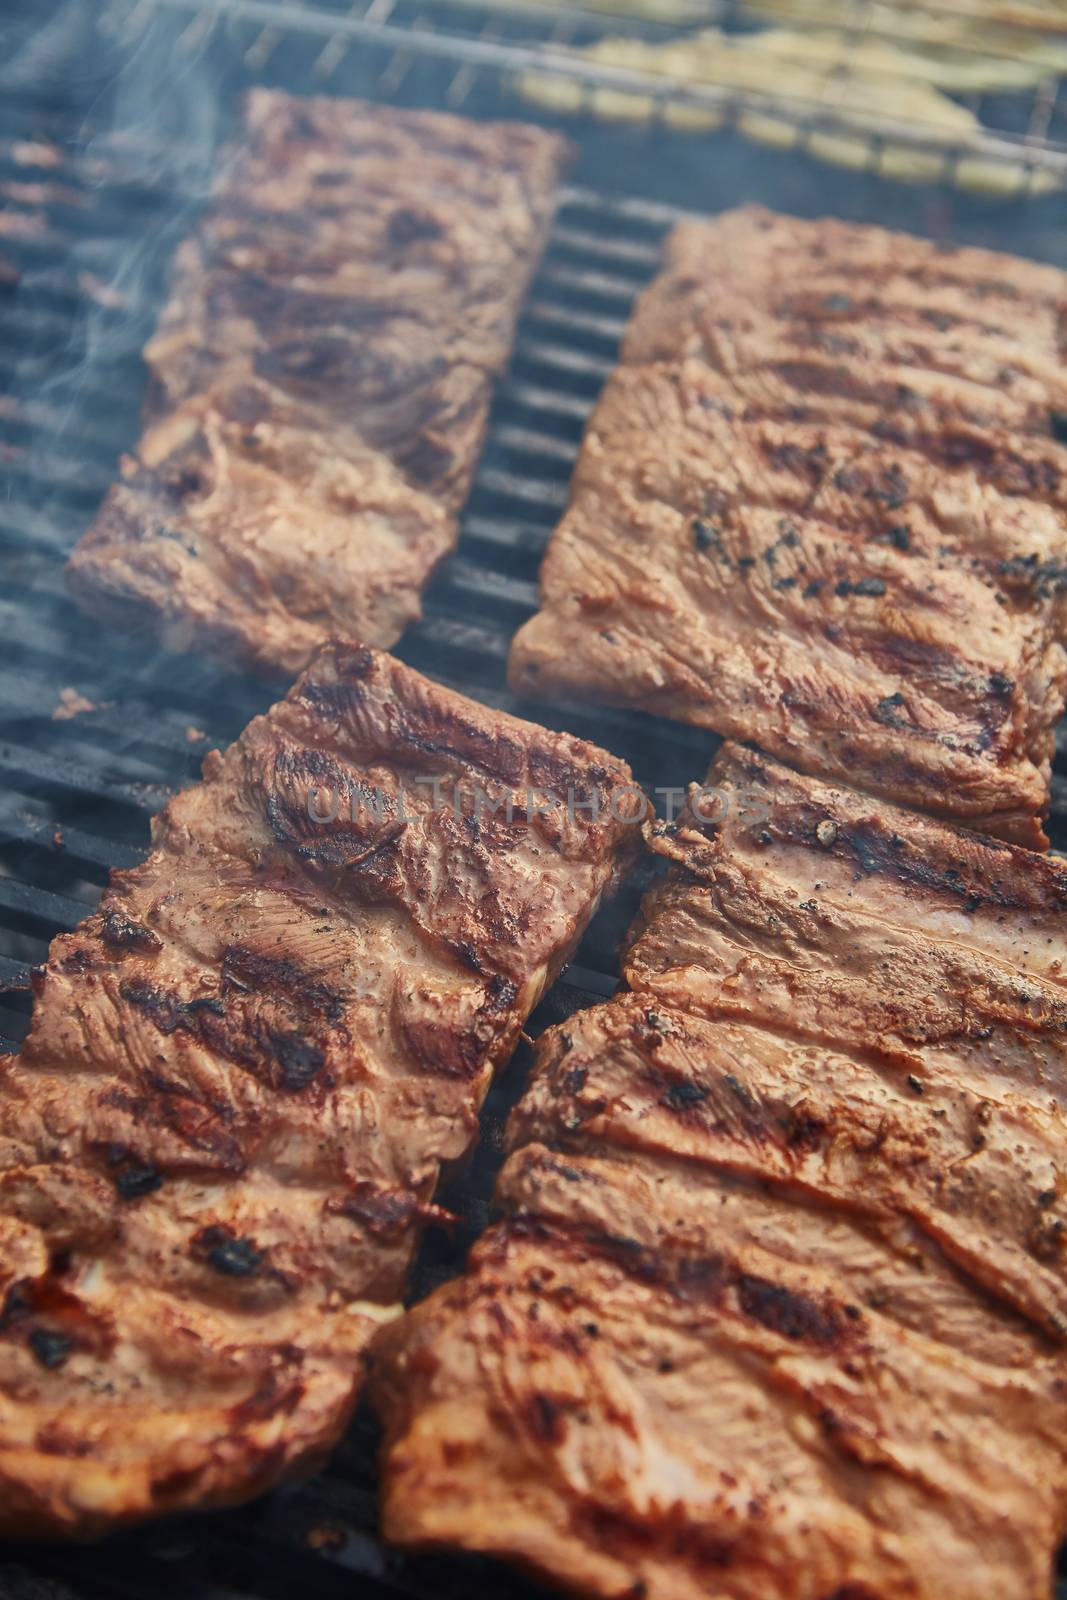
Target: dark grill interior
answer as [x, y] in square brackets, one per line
[89, 221]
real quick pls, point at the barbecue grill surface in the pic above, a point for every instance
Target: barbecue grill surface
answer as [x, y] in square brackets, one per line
[89, 218]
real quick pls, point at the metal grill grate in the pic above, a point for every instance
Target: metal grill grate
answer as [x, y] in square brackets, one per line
[89, 221]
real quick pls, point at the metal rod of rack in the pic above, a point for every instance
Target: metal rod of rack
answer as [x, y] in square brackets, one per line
[1025, 151]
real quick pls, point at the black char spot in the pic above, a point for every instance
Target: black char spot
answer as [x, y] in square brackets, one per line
[134, 1182]
[299, 1061]
[679, 1096]
[50, 1349]
[122, 933]
[229, 1255]
[794, 1316]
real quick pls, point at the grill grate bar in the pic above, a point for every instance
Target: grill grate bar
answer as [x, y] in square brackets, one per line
[535, 492]
[531, 442]
[644, 254]
[564, 316]
[42, 905]
[81, 781]
[19, 825]
[162, 736]
[545, 401]
[13, 974]
[563, 359]
[592, 281]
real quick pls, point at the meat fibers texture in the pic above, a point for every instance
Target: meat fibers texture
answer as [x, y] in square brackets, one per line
[321, 378]
[777, 1306]
[244, 1073]
[821, 506]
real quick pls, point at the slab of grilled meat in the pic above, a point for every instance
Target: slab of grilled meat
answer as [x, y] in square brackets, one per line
[824, 915]
[965, 333]
[870, 588]
[778, 1303]
[860, 610]
[320, 378]
[222, 1136]
[998, 512]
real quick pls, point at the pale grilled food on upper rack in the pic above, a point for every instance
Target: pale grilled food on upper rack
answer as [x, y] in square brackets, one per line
[849, 94]
[992, 24]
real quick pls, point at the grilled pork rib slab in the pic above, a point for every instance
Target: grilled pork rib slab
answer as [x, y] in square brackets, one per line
[321, 377]
[245, 1071]
[830, 523]
[778, 1305]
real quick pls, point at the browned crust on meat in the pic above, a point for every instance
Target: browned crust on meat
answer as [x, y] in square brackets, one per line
[923, 952]
[840, 278]
[779, 1300]
[828, 522]
[321, 377]
[222, 1136]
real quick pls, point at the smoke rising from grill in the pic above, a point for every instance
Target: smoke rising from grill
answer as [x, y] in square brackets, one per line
[129, 113]
[149, 140]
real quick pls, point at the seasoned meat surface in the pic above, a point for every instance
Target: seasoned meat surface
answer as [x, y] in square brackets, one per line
[777, 1305]
[1002, 518]
[834, 527]
[826, 916]
[833, 276]
[752, 271]
[223, 1134]
[236, 525]
[320, 378]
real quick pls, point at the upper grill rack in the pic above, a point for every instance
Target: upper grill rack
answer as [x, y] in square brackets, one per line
[1024, 130]
[90, 234]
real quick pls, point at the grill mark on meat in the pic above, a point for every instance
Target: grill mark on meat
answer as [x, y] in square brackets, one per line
[134, 1182]
[385, 1213]
[790, 255]
[283, 1058]
[498, 757]
[946, 861]
[372, 821]
[841, 478]
[795, 1316]
[700, 1374]
[323, 367]
[741, 330]
[861, 1142]
[1015, 468]
[219, 1146]
[228, 1255]
[248, 970]
[713, 1280]
[877, 852]
[205, 1137]
[436, 1049]
[841, 382]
